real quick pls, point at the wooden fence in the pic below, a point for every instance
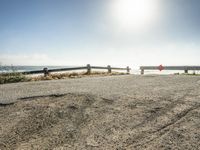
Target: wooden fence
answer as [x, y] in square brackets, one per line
[184, 68]
[88, 67]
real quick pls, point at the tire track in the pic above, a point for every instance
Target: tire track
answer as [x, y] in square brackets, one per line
[153, 128]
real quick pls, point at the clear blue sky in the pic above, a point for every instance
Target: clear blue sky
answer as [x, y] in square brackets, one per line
[100, 32]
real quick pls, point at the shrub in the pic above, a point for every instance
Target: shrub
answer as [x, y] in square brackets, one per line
[12, 78]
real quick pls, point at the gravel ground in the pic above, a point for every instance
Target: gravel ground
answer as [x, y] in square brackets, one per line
[116, 112]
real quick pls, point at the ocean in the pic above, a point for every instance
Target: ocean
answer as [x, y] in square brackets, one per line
[7, 69]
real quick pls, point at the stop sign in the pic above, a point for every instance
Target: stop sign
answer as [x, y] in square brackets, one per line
[160, 67]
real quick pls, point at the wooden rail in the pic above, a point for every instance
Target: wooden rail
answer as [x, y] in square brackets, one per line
[47, 71]
[185, 68]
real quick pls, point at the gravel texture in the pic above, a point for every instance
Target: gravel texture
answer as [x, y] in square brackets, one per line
[116, 112]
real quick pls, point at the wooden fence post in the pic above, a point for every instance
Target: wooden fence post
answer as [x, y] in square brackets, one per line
[128, 70]
[109, 69]
[186, 71]
[142, 71]
[46, 72]
[88, 69]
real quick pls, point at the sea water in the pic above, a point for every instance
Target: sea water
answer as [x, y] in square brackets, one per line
[5, 69]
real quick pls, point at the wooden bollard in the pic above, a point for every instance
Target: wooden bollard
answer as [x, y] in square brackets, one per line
[186, 71]
[88, 69]
[109, 69]
[46, 72]
[142, 71]
[128, 70]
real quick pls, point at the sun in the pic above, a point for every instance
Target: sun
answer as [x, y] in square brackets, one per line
[133, 14]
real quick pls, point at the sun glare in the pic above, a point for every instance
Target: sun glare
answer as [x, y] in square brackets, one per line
[133, 14]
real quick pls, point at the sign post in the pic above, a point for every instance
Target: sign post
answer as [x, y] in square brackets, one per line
[161, 67]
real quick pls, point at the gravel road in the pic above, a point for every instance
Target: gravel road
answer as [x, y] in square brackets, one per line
[112, 86]
[115, 112]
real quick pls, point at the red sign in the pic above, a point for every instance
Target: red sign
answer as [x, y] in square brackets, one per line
[160, 67]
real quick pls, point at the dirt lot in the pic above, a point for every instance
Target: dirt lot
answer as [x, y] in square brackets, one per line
[125, 112]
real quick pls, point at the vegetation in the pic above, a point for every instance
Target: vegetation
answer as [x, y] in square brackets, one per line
[18, 77]
[12, 78]
[57, 76]
[189, 74]
[192, 74]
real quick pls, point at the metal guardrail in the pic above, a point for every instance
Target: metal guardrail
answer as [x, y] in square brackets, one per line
[185, 68]
[46, 71]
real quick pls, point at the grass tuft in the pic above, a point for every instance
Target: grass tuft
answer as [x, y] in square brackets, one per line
[18, 77]
[12, 78]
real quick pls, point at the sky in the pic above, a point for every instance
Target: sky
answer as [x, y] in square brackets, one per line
[99, 32]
